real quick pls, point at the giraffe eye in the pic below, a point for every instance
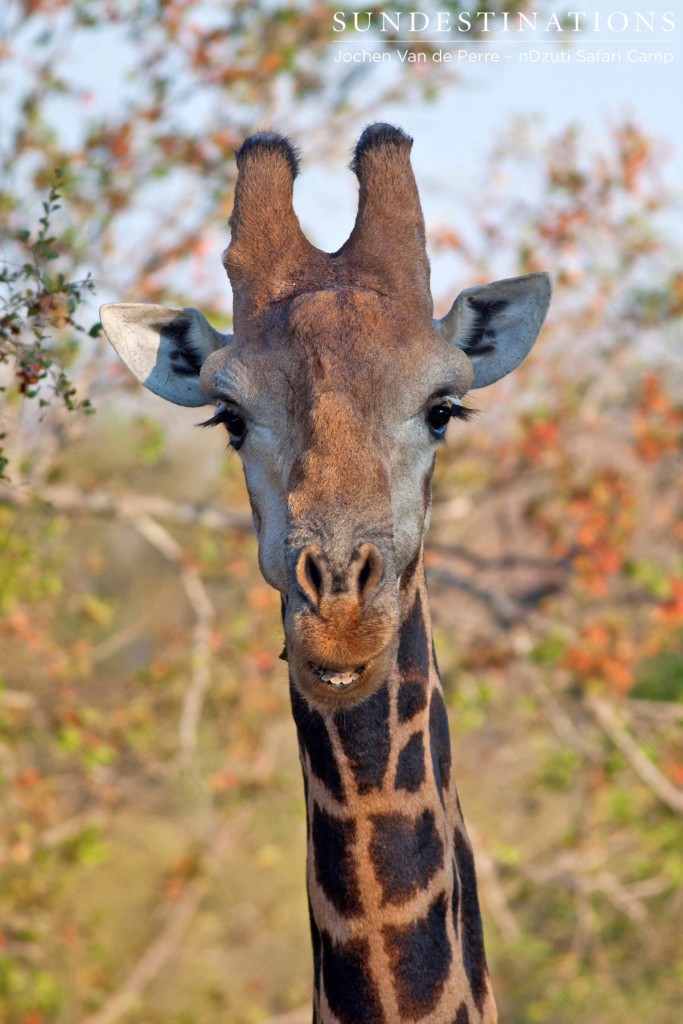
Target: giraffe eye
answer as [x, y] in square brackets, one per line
[233, 422]
[439, 415]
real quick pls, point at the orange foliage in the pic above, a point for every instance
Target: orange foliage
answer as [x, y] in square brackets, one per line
[635, 151]
[601, 520]
[604, 652]
[671, 610]
[540, 438]
[657, 422]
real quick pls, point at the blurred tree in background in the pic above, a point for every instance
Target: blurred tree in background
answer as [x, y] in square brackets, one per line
[151, 845]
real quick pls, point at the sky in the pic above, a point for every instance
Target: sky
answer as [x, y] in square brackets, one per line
[454, 134]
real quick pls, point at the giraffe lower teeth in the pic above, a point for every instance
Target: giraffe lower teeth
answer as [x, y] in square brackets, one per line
[336, 678]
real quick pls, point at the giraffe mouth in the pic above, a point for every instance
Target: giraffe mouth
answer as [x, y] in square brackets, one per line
[338, 679]
[332, 684]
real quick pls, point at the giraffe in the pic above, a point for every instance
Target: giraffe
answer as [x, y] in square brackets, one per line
[336, 389]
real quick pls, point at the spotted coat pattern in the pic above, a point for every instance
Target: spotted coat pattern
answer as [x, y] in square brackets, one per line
[395, 920]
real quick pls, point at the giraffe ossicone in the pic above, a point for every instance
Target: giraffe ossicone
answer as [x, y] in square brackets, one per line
[336, 387]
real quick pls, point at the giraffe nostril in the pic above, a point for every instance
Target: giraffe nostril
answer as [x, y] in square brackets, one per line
[313, 574]
[364, 575]
[370, 571]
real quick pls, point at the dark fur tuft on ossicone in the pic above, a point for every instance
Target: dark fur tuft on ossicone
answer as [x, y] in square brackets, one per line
[378, 134]
[271, 141]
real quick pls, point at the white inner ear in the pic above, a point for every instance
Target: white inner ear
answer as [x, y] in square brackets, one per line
[163, 346]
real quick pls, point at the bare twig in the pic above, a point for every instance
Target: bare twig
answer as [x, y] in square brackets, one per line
[585, 927]
[493, 892]
[646, 771]
[115, 642]
[139, 510]
[504, 610]
[558, 717]
[579, 875]
[650, 887]
[73, 501]
[69, 829]
[506, 561]
[154, 957]
[200, 602]
[657, 712]
[17, 700]
[164, 945]
[621, 897]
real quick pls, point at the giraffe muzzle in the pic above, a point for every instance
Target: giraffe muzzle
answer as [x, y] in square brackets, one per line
[340, 622]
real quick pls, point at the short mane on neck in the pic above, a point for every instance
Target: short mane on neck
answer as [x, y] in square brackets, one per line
[392, 891]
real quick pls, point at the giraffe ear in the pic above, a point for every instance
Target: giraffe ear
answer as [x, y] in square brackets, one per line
[497, 324]
[163, 347]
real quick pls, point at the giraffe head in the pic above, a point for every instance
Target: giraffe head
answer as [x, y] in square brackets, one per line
[336, 389]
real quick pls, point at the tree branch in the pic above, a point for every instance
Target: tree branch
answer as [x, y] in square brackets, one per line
[164, 945]
[73, 501]
[559, 719]
[204, 613]
[493, 892]
[505, 611]
[582, 876]
[646, 771]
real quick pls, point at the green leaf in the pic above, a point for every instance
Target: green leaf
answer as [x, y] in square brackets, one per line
[548, 650]
[661, 679]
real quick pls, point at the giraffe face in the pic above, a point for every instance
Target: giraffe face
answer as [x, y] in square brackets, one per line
[335, 388]
[329, 399]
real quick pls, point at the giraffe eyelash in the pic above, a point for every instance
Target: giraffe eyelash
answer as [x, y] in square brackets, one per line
[462, 412]
[234, 423]
[214, 421]
[440, 414]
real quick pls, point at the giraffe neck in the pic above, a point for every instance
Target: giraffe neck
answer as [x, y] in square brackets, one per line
[392, 892]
